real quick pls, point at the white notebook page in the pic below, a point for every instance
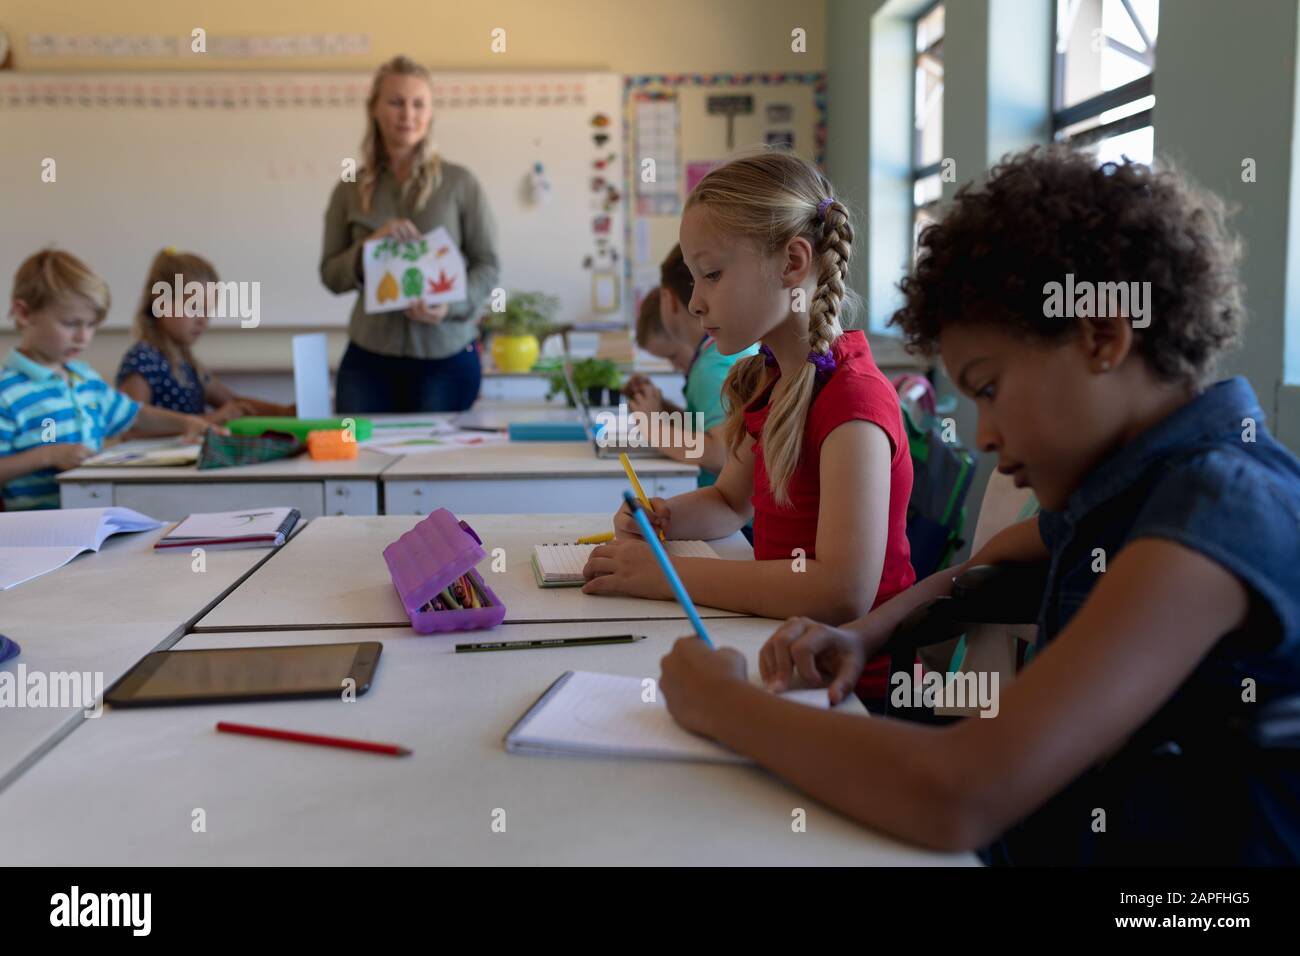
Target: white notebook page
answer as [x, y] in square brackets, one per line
[560, 562]
[605, 715]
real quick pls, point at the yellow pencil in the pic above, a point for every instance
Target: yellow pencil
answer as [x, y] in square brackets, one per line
[636, 486]
[597, 538]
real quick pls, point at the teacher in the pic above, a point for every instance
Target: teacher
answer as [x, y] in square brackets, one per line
[426, 358]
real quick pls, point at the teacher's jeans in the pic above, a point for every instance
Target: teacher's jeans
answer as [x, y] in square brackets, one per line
[372, 383]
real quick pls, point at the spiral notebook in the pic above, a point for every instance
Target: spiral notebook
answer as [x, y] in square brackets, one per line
[584, 714]
[560, 565]
[231, 530]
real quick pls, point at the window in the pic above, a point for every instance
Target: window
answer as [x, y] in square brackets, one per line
[927, 119]
[1102, 88]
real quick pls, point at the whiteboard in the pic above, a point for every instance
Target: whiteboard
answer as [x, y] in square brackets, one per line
[239, 168]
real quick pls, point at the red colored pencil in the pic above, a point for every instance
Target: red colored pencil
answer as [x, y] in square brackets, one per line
[391, 750]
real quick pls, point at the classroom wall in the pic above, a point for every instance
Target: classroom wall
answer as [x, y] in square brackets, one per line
[1225, 84]
[625, 36]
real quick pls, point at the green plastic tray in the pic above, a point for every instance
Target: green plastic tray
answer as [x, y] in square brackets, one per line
[298, 427]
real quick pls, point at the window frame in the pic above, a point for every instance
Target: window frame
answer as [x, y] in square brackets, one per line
[1063, 117]
[918, 172]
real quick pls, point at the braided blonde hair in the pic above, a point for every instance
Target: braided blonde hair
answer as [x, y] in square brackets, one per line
[772, 197]
[426, 165]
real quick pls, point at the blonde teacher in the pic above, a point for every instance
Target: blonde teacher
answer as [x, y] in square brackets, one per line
[423, 359]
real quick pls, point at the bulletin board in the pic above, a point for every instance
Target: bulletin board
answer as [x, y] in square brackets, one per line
[689, 122]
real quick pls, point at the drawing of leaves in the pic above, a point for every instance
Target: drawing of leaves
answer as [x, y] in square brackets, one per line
[412, 251]
[443, 283]
[412, 283]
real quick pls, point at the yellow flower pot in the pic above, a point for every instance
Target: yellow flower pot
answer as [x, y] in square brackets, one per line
[515, 353]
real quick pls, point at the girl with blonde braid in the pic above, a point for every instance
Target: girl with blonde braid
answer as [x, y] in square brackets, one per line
[816, 453]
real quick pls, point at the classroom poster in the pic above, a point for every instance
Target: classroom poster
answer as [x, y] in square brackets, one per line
[398, 273]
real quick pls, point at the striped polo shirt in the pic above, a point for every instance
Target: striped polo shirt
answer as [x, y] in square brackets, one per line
[38, 405]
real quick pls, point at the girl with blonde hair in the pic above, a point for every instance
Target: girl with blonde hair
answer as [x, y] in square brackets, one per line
[817, 455]
[424, 359]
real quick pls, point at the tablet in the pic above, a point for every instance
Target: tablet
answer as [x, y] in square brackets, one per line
[236, 674]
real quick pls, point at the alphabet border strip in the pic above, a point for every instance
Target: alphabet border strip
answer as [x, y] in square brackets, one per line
[206, 92]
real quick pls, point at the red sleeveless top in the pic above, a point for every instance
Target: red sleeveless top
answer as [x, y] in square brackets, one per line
[856, 390]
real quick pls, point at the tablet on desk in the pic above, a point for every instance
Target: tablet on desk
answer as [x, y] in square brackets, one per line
[238, 674]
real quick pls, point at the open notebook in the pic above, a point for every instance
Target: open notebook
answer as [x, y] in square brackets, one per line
[605, 715]
[37, 542]
[145, 454]
[560, 565]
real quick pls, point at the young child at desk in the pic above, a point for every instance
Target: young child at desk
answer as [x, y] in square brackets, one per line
[56, 411]
[666, 328]
[1146, 691]
[160, 368]
[817, 455]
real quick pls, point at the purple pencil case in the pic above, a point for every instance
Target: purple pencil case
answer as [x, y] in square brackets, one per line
[427, 559]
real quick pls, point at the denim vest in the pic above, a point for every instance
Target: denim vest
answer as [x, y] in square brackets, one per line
[1187, 787]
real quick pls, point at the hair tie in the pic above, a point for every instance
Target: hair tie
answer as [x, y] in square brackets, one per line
[170, 251]
[825, 364]
[823, 206]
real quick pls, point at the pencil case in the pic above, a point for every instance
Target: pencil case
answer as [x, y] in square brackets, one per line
[227, 451]
[298, 427]
[427, 560]
[330, 445]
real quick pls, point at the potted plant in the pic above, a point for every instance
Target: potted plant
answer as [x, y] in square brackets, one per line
[554, 371]
[595, 377]
[515, 329]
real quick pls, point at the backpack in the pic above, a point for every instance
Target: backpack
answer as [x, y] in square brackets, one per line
[942, 473]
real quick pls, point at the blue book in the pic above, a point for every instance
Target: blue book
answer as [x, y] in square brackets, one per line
[547, 431]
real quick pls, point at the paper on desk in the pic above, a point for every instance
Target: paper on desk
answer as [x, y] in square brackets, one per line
[585, 714]
[398, 273]
[33, 543]
[390, 444]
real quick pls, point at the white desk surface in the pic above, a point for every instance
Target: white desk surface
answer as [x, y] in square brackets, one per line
[367, 465]
[124, 788]
[526, 459]
[333, 574]
[102, 613]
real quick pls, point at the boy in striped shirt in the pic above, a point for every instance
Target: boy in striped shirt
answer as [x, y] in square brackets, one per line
[54, 410]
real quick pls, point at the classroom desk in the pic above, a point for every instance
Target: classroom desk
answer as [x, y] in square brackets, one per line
[527, 477]
[532, 386]
[333, 575]
[315, 488]
[100, 614]
[125, 788]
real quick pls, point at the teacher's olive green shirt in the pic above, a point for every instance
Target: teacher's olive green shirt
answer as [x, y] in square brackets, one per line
[459, 204]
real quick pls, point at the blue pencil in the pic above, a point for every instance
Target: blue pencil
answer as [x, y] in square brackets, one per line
[684, 599]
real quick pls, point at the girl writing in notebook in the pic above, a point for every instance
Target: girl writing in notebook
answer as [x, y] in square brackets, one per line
[1142, 729]
[160, 369]
[816, 453]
